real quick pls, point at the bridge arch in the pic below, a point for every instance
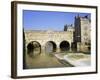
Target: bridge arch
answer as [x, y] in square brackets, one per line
[64, 46]
[33, 48]
[50, 47]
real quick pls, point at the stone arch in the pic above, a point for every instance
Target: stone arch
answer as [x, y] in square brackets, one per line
[50, 47]
[64, 46]
[33, 48]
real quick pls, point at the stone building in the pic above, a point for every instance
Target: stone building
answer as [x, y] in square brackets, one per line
[82, 32]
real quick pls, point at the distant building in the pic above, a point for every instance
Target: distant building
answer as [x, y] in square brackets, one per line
[65, 27]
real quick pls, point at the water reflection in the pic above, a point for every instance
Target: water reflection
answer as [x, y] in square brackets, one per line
[44, 60]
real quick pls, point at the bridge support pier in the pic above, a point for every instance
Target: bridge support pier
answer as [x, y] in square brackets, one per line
[58, 50]
[43, 50]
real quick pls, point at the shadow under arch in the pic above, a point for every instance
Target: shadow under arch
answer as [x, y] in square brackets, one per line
[34, 48]
[50, 47]
[64, 46]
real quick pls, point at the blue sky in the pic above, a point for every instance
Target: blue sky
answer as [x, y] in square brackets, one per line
[48, 20]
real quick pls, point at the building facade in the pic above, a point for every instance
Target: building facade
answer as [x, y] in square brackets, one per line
[82, 33]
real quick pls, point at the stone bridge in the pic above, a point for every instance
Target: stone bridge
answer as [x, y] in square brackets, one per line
[56, 41]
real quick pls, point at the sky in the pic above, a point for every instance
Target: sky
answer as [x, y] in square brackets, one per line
[48, 20]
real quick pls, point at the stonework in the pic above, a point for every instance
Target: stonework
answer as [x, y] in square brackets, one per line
[45, 36]
[82, 32]
[79, 35]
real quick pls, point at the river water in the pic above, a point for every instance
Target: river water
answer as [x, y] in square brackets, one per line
[44, 60]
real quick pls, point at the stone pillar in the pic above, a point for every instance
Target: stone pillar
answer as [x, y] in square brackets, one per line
[58, 49]
[43, 50]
